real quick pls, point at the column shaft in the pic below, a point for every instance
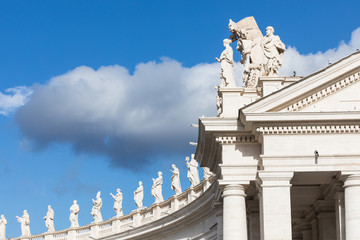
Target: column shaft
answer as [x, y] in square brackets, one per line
[234, 213]
[352, 207]
[340, 215]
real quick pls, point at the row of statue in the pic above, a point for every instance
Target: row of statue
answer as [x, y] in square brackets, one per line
[260, 55]
[156, 192]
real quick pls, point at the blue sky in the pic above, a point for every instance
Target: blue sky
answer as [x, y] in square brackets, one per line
[97, 95]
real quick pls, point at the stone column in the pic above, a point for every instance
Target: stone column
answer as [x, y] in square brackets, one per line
[352, 206]
[314, 229]
[234, 223]
[307, 234]
[275, 205]
[218, 206]
[325, 210]
[253, 219]
[340, 215]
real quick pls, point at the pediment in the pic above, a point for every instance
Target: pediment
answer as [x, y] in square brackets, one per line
[334, 88]
[340, 96]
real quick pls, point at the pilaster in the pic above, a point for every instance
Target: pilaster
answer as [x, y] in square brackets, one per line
[275, 205]
[325, 210]
[115, 225]
[94, 231]
[71, 234]
[136, 218]
[49, 237]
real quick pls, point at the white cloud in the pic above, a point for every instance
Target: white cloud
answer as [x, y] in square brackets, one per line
[141, 115]
[109, 111]
[14, 98]
[307, 64]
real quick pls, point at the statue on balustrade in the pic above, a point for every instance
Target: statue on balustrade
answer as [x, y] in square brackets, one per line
[207, 173]
[96, 209]
[25, 224]
[74, 214]
[118, 202]
[219, 104]
[3, 223]
[139, 195]
[273, 49]
[227, 65]
[156, 190]
[49, 219]
[175, 180]
[193, 173]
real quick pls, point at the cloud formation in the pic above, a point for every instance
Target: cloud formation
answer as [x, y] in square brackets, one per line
[310, 63]
[13, 99]
[134, 118]
[125, 117]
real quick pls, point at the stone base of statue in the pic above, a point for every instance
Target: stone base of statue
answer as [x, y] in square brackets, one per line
[274, 83]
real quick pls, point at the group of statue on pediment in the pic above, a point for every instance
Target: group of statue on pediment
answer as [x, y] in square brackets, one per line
[260, 55]
[156, 192]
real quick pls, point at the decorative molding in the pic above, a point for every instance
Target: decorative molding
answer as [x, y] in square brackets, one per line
[328, 129]
[235, 139]
[345, 82]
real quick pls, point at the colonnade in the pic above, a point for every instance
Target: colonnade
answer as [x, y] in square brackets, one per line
[275, 210]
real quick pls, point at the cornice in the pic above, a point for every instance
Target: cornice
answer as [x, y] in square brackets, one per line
[311, 129]
[235, 139]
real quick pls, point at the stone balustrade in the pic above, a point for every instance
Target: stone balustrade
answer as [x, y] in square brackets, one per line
[130, 221]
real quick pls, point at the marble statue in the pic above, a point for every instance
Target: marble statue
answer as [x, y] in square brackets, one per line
[193, 173]
[25, 224]
[207, 173]
[249, 37]
[139, 195]
[244, 46]
[96, 209]
[3, 224]
[74, 214]
[261, 56]
[273, 49]
[156, 190]
[118, 202]
[218, 104]
[175, 180]
[227, 65]
[49, 219]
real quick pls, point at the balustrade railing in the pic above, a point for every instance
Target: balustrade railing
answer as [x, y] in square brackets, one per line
[127, 222]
